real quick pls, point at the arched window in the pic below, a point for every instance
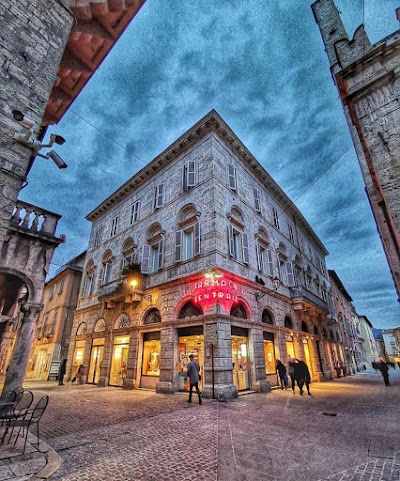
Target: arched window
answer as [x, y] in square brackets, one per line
[107, 262]
[304, 327]
[100, 325]
[88, 283]
[238, 310]
[153, 251]
[128, 252]
[152, 317]
[189, 310]
[288, 323]
[187, 238]
[238, 242]
[81, 329]
[122, 321]
[267, 317]
[264, 253]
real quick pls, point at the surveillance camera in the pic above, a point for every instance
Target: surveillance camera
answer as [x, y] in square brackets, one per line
[57, 159]
[58, 139]
[24, 120]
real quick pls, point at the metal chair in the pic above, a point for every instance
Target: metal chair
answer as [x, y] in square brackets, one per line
[31, 417]
[17, 411]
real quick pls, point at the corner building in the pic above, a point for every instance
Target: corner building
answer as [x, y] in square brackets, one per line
[200, 252]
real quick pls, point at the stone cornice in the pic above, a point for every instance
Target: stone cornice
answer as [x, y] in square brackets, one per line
[212, 122]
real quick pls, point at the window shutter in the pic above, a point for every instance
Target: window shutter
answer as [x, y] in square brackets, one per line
[160, 254]
[178, 245]
[259, 259]
[289, 273]
[257, 204]
[144, 268]
[230, 240]
[191, 177]
[270, 263]
[232, 176]
[245, 248]
[196, 239]
[184, 178]
[160, 195]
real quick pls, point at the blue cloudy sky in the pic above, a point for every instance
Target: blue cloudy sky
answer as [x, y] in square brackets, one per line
[261, 64]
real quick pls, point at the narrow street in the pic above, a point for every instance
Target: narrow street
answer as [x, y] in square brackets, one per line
[111, 434]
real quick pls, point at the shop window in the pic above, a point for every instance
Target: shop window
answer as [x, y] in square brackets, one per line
[122, 322]
[189, 175]
[135, 212]
[77, 358]
[304, 327]
[269, 353]
[240, 360]
[288, 323]
[151, 354]
[100, 325]
[107, 267]
[189, 310]
[96, 358]
[152, 317]
[266, 317]
[82, 328]
[159, 196]
[119, 361]
[238, 310]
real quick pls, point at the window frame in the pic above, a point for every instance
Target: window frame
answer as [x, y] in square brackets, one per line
[135, 212]
[159, 196]
[114, 226]
[275, 214]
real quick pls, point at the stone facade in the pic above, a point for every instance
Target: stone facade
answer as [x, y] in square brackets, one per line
[391, 338]
[187, 251]
[369, 345]
[368, 80]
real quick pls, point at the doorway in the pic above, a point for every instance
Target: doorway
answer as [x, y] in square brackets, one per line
[96, 358]
[119, 362]
[240, 358]
[191, 341]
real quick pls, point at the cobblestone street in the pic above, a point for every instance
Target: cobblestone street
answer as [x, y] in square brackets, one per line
[111, 434]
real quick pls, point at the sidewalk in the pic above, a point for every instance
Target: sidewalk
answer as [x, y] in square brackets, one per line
[38, 462]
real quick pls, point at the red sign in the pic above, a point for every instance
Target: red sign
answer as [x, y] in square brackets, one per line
[215, 290]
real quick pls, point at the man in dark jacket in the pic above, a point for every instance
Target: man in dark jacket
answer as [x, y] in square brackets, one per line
[193, 370]
[303, 376]
[61, 372]
[281, 370]
[383, 367]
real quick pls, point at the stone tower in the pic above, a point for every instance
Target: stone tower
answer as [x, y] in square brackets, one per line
[368, 80]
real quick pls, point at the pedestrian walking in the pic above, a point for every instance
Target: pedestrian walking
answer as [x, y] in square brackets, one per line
[61, 372]
[78, 374]
[193, 370]
[281, 370]
[303, 376]
[384, 368]
[292, 373]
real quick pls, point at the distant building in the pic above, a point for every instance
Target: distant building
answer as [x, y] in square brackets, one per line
[229, 271]
[370, 347]
[53, 329]
[358, 352]
[391, 338]
[367, 79]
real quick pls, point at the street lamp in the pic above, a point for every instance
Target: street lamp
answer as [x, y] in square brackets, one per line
[276, 282]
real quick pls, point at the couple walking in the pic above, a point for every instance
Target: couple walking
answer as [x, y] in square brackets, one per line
[298, 372]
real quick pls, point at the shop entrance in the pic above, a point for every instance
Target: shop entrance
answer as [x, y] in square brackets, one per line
[119, 362]
[191, 341]
[96, 358]
[307, 354]
[240, 359]
[269, 356]
[151, 360]
[78, 357]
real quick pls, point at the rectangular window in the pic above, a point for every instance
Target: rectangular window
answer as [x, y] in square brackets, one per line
[189, 175]
[97, 236]
[291, 235]
[257, 202]
[135, 212]
[158, 196]
[152, 257]
[238, 244]
[89, 284]
[276, 217]
[151, 358]
[232, 176]
[265, 264]
[114, 226]
[53, 288]
[289, 274]
[106, 273]
[61, 286]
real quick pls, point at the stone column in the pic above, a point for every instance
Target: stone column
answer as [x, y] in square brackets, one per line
[325, 358]
[106, 361]
[168, 364]
[280, 338]
[219, 335]
[19, 361]
[131, 374]
[261, 383]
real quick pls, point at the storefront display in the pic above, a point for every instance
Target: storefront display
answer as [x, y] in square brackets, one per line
[119, 362]
[190, 344]
[96, 357]
[151, 357]
[307, 354]
[78, 356]
[269, 356]
[290, 347]
[240, 364]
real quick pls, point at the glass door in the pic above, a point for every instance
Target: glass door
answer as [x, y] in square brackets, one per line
[96, 357]
[119, 362]
[240, 364]
[190, 345]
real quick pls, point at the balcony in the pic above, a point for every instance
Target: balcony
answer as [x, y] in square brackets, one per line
[305, 300]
